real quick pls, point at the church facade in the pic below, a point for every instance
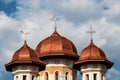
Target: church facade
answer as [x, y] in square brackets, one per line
[56, 58]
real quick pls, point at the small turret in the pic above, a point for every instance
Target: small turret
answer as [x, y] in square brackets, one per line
[93, 63]
[25, 64]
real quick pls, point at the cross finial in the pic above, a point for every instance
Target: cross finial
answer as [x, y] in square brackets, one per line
[55, 19]
[91, 31]
[25, 32]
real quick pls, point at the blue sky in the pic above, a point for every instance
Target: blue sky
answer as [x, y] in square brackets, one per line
[76, 17]
[8, 8]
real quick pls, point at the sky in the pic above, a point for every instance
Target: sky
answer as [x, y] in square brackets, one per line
[75, 19]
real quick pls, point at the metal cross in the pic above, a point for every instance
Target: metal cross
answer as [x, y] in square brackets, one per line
[55, 19]
[91, 31]
[25, 32]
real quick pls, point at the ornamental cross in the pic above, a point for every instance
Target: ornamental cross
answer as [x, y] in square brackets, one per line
[25, 32]
[91, 31]
[55, 19]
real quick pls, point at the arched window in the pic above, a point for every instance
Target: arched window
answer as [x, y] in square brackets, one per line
[16, 77]
[102, 76]
[66, 76]
[56, 75]
[95, 76]
[87, 77]
[46, 76]
[32, 77]
[24, 77]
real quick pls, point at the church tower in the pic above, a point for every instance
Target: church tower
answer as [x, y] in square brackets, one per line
[25, 64]
[59, 54]
[92, 62]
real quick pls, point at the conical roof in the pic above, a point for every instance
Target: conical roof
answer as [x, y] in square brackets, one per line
[56, 46]
[93, 54]
[25, 55]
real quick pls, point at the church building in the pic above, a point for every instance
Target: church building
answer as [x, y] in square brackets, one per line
[56, 58]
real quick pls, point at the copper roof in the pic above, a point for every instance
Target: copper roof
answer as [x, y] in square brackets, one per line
[93, 54]
[56, 45]
[25, 55]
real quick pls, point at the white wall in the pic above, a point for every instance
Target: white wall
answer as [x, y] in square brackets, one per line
[25, 70]
[91, 69]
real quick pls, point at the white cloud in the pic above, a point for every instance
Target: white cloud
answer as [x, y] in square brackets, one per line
[112, 14]
[7, 22]
[76, 4]
[28, 5]
[8, 40]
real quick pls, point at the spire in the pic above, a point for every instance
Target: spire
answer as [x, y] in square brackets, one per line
[25, 43]
[91, 31]
[55, 28]
[55, 19]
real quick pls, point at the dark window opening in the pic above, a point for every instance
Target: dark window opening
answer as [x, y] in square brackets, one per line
[66, 76]
[24, 77]
[87, 77]
[95, 76]
[56, 75]
[46, 76]
[32, 77]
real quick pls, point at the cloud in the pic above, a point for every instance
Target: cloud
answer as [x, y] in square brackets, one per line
[8, 40]
[7, 22]
[112, 14]
[6, 1]
[79, 11]
[113, 72]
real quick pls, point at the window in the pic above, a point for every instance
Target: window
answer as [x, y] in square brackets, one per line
[102, 76]
[16, 77]
[87, 77]
[95, 76]
[66, 76]
[24, 77]
[56, 75]
[32, 77]
[46, 76]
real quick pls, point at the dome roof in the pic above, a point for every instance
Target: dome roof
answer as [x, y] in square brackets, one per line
[25, 55]
[57, 46]
[93, 54]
